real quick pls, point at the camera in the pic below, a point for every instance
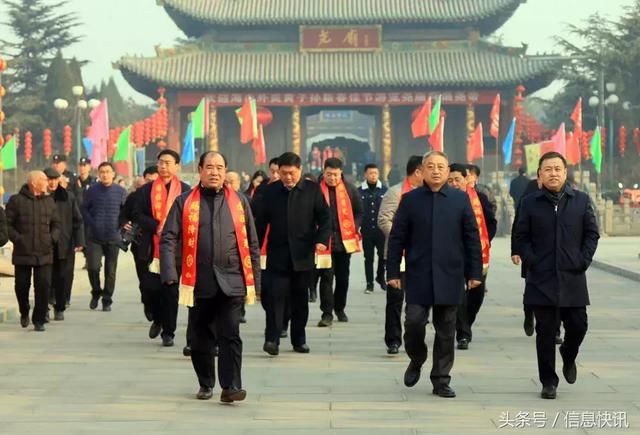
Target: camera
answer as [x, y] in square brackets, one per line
[128, 236]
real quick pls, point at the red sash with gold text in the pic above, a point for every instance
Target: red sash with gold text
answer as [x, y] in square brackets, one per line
[190, 223]
[482, 227]
[161, 202]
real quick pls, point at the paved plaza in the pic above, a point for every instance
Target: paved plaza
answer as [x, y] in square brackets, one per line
[99, 373]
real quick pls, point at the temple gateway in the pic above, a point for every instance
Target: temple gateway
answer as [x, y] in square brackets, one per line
[339, 74]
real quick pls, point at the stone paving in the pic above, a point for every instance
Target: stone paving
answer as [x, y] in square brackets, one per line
[99, 373]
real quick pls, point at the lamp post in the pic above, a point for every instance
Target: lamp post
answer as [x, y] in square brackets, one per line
[611, 100]
[79, 107]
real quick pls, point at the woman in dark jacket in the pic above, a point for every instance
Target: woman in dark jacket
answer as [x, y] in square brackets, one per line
[259, 177]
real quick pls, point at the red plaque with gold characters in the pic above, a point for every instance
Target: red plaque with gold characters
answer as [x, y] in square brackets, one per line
[331, 38]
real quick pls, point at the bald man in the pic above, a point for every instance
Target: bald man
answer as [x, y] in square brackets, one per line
[233, 180]
[34, 229]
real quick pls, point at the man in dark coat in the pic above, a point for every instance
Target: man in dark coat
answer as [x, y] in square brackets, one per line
[34, 228]
[222, 276]
[473, 298]
[297, 216]
[436, 229]
[518, 185]
[556, 236]
[101, 211]
[71, 240]
[59, 164]
[344, 241]
[372, 192]
[149, 213]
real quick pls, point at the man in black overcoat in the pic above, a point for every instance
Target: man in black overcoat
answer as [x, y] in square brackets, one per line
[436, 229]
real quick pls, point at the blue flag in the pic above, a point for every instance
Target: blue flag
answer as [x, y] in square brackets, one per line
[88, 145]
[507, 145]
[188, 148]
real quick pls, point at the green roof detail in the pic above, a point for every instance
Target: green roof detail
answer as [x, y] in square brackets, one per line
[443, 68]
[274, 12]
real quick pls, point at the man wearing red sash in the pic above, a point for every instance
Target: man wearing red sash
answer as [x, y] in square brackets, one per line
[487, 224]
[212, 227]
[345, 208]
[297, 216]
[150, 212]
[395, 296]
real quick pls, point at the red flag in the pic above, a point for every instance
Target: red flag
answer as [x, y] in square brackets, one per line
[437, 137]
[560, 140]
[475, 146]
[573, 149]
[546, 146]
[576, 117]
[420, 124]
[259, 147]
[495, 117]
[248, 121]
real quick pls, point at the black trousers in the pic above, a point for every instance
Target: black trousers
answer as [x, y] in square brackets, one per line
[141, 268]
[335, 300]
[372, 242]
[95, 253]
[60, 279]
[287, 288]
[575, 324]
[468, 310]
[41, 285]
[70, 273]
[212, 319]
[393, 315]
[444, 322]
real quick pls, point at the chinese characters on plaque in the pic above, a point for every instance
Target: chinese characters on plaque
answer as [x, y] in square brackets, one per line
[354, 38]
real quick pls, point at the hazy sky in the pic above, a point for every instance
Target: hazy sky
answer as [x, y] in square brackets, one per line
[113, 28]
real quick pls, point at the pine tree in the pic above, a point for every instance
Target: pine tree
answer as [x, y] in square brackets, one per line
[40, 28]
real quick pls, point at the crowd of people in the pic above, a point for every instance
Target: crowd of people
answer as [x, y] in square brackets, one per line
[288, 238]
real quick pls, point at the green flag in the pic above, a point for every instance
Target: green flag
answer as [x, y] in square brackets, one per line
[124, 145]
[434, 117]
[200, 120]
[596, 150]
[8, 155]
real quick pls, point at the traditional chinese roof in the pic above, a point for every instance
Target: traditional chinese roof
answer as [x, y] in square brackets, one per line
[452, 68]
[195, 16]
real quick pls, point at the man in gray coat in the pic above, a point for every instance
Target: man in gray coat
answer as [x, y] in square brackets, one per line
[218, 267]
[388, 208]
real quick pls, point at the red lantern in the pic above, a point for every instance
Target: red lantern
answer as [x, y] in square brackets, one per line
[28, 146]
[147, 130]
[46, 143]
[264, 116]
[66, 139]
[3, 91]
[154, 126]
[1, 116]
[138, 134]
[1, 141]
[622, 140]
[586, 143]
[3, 64]
[636, 139]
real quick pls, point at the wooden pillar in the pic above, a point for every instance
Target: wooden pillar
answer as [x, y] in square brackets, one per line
[518, 109]
[386, 141]
[213, 128]
[471, 122]
[296, 136]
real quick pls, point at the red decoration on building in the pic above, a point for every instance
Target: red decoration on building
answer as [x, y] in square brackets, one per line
[518, 113]
[586, 144]
[28, 146]
[3, 64]
[46, 143]
[264, 116]
[622, 140]
[66, 139]
[146, 138]
[636, 139]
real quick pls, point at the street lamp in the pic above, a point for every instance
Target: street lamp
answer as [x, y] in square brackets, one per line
[80, 106]
[609, 102]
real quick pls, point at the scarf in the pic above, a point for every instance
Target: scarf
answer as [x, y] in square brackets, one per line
[345, 220]
[161, 202]
[190, 223]
[476, 205]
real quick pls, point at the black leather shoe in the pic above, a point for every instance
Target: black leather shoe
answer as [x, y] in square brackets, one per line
[559, 339]
[570, 371]
[463, 344]
[383, 285]
[548, 392]
[106, 307]
[369, 289]
[271, 348]
[24, 321]
[444, 391]
[342, 316]
[38, 327]
[230, 395]
[94, 303]
[167, 341]
[186, 351]
[303, 348]
[58, 315]
[148, 313]
[325, 322]
[205, 393]
[155, 329]
[528, 325]
[46, 317]
[242, 320]
[313, 296]
[412, 374]
[393, 349]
